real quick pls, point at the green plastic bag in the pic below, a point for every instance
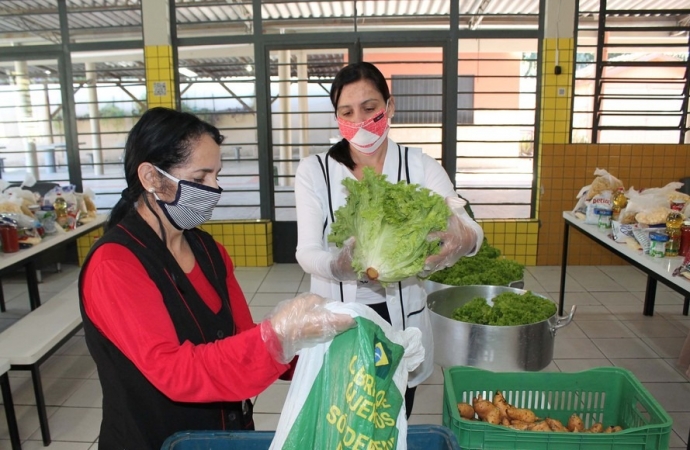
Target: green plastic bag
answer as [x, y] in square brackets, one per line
[348, 394]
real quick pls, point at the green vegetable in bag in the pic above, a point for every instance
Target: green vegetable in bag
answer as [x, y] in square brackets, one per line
[390, 223]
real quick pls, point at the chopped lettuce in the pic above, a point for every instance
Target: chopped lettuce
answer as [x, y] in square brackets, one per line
[476, 310]
[390, 223]
[509, 309]
[488, 251]
[484, 268]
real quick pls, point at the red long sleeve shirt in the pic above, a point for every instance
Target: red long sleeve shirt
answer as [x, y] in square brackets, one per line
[127, 307]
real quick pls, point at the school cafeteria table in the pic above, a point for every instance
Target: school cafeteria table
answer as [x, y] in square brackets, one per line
[657, 269]
[27, 257]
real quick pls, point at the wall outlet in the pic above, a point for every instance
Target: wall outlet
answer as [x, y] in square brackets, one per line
[561, 92]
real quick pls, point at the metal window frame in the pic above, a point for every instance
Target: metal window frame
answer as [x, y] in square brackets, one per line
[598, 112]
[449, 40]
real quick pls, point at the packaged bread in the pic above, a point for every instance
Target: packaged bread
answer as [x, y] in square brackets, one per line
[604, 181]
[604, 185]
[653, 216]
[8, 206]
[87, 207]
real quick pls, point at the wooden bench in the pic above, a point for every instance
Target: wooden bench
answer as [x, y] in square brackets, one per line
[31, 340]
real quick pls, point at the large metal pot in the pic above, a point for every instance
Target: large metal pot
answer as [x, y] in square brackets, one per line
[433, 286]
[496, 348]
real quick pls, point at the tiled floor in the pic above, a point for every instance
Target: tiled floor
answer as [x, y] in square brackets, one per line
[609, 329]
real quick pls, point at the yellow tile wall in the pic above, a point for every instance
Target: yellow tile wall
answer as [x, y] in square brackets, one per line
[556, 91]
[159, 69]
[566, 168]
[517, 239]
[249, 243]
[556, 96]
[85, 242]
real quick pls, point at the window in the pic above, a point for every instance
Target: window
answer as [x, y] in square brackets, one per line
[495, 149]
[631, 79]
[418, 98]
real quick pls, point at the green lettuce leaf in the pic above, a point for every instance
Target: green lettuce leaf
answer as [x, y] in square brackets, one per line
[509, 309]
[486, 267]
[390, 223]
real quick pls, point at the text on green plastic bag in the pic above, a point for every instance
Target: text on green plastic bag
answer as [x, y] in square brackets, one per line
[354, 402]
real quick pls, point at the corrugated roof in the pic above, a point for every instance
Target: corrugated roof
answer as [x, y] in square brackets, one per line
[37, 21]
[593, 5]
[97, 19]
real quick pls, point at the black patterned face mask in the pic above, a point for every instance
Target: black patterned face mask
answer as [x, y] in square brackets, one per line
[193, 203]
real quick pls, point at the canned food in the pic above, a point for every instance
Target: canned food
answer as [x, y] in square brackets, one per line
[605, 216]
[677, 205]
[657, 247]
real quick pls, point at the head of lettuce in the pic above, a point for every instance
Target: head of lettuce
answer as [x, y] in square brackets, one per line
[390, 224]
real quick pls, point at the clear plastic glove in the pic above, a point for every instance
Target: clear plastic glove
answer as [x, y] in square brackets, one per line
[341, 265]
[456, 241]
[299, 323]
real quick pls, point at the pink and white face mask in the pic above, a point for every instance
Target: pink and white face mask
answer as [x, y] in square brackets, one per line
[366, 137]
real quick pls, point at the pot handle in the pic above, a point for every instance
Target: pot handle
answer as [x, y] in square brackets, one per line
[563, 321]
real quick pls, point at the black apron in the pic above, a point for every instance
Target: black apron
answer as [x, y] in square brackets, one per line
[136, 415]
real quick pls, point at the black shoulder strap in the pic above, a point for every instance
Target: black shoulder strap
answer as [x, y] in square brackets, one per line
[327, 177]
[399, 163]
[407, 178]
[407, 165]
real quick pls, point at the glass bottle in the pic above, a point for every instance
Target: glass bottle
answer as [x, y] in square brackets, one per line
[674, 220]
[60, 205]
[684, 239]
[619, 201]
[9, 237]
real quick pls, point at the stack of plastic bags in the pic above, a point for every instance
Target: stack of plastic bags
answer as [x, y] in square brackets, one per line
[645, 210]
[35, 216]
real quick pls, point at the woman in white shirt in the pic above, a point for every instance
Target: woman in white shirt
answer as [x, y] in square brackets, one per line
[363, 107]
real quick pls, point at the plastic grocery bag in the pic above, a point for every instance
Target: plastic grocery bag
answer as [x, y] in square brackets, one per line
[349, 392]
[604, 181]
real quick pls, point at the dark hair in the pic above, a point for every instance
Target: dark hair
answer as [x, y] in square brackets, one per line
[163, 137]
[347, 75]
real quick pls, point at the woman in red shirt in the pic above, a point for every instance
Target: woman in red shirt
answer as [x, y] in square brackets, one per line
[164, 317]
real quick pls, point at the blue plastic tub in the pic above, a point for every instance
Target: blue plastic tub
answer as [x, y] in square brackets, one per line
[419, 437]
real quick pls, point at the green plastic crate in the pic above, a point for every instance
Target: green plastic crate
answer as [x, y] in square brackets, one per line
[609, 395]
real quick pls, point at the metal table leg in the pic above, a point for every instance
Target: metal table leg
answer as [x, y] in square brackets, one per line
[40, 404]
[564, 263]
[9, 412]
[2, 299]
[32, 284]
[649, 296]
